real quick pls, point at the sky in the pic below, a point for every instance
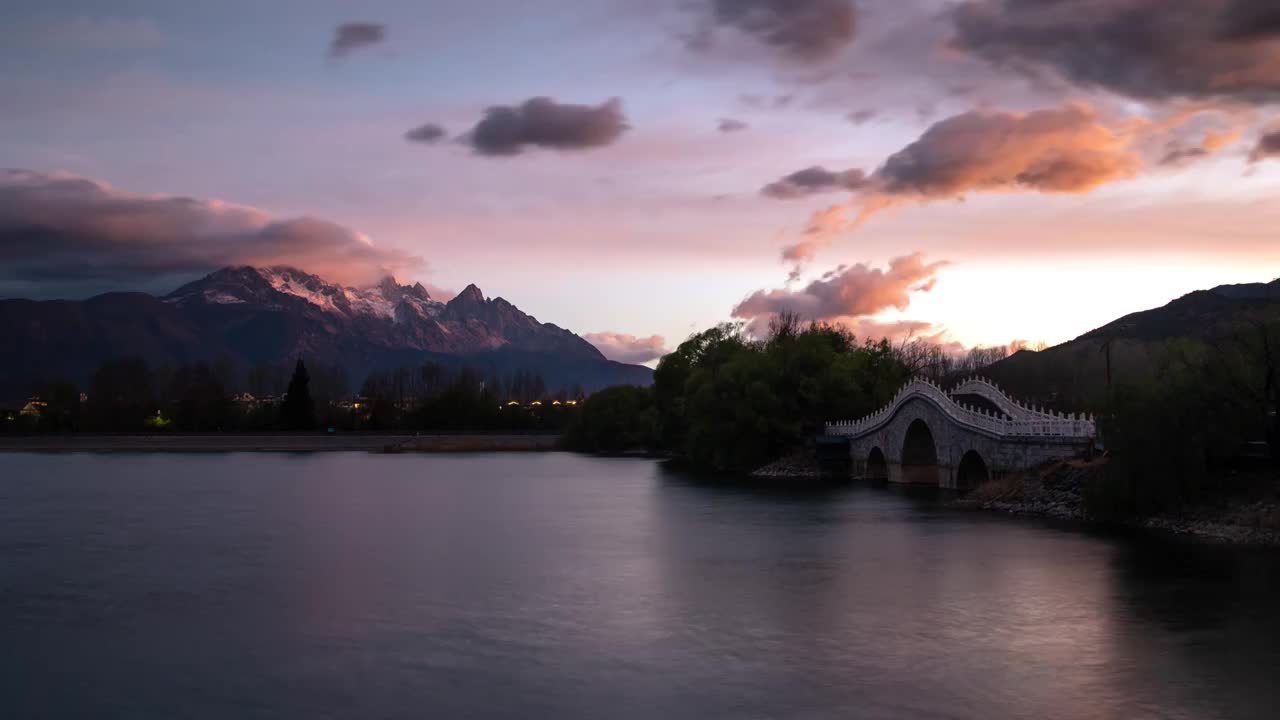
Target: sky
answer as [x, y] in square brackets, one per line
[971, 171]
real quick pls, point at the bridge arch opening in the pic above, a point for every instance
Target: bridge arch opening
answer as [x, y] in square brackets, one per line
[919, 455]
[877, 466]
[972, 471]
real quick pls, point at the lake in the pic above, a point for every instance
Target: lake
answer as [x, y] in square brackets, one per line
[351, 585]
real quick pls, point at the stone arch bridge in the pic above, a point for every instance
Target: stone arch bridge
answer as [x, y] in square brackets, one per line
[927, 435]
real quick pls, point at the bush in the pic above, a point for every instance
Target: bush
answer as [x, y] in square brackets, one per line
[1159, 440]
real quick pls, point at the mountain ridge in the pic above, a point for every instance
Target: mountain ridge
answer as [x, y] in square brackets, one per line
[1074, 373]
[260, 316]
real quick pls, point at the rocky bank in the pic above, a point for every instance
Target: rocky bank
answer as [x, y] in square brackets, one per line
[1057, 491]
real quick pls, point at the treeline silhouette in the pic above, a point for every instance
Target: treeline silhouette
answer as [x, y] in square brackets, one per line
[725, 401]
[128, 395]
[1194, 429]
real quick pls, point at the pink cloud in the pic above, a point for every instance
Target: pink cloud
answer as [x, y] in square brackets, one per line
[628, 348]
[854, 291]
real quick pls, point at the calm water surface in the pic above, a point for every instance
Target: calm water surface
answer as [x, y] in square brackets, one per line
[556, 586]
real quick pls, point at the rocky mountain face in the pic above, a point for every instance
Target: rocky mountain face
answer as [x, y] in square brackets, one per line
[261, 316]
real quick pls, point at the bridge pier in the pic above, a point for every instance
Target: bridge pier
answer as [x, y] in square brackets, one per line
[933, 475]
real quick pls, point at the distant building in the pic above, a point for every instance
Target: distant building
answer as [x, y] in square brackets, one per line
[356, 403]
[34, 408]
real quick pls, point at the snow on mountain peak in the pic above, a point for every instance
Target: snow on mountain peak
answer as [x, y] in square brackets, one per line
[259, 285]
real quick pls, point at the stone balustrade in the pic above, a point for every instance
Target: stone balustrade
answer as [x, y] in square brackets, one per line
[1015, 419]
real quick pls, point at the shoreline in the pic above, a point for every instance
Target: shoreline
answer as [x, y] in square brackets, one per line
[272, 443]
[1056, 493]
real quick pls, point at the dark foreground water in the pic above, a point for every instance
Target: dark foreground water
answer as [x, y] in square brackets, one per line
[555, 586]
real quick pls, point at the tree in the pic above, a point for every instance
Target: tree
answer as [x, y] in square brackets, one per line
[1249, 362]
[121, 395]
[728, 402]
[617, 419]
[62, 410]
[299, 411]
[197, 399]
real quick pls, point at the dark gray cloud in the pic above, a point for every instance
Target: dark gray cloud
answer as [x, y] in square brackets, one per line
[764, 102]
[815, 180]
[70, 236]
[1178, 154]
[1268, 147]
[1145, 49]
[1248, 19]
[429, 133]
[730, 125]
[860, 117]
[543, 122]
[804, 30]
[849, 291]
[355, 35]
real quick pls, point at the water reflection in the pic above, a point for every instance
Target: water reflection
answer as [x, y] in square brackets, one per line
[562, 586]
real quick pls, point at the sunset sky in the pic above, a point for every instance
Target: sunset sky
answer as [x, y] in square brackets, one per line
[978, 171]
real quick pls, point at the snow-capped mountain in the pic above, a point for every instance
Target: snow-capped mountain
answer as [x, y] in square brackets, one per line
[248, 285]
[388, 314]
[262, 316]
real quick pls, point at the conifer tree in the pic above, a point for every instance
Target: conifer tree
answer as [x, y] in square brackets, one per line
[299, 411]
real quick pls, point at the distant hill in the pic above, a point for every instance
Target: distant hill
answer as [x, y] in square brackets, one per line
[1073, 374]
[263, 316]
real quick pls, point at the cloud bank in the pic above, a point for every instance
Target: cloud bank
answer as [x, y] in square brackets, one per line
[1144, 49]
[801, 30]
[66, 235]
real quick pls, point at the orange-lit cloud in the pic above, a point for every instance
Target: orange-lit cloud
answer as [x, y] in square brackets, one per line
[1214, 140]
[849, 291]
[1066, 150]
[1061, 150]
